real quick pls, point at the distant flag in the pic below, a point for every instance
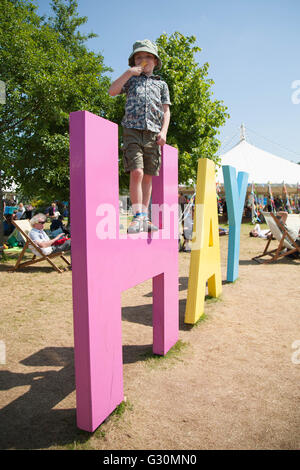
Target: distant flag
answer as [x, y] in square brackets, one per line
[255, 214]
[219, 199]
[271, 197]
[218, 189]
[287, 199]
[293, 201]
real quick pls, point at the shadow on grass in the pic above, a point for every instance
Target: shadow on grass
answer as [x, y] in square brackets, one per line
[36, 268]
[142, 314]
[28, 269]
[284, 260]
[30, 421]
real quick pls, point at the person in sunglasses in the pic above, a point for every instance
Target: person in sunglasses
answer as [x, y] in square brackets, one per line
[40, 237]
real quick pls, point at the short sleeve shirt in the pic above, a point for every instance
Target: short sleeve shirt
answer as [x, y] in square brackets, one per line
[144, 105]
[39, 236]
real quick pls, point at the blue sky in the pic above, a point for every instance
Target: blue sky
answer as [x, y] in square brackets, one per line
[252, 47]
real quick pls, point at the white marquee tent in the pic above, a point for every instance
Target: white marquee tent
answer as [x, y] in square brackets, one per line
[262, 166]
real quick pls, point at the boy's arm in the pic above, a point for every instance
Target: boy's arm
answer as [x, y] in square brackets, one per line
[117, 85]
[162, 136]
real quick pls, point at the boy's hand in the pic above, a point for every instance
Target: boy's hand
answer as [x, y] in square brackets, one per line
[137, 70]
[161, 138]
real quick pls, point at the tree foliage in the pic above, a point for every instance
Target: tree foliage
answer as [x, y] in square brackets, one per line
[48, 73]
[195, 116]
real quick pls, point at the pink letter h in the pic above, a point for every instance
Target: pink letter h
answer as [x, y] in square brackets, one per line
[103, 268]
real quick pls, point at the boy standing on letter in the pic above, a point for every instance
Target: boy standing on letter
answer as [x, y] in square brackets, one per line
[145, 126]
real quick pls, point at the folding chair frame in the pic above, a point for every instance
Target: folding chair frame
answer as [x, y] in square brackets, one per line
[281, 251]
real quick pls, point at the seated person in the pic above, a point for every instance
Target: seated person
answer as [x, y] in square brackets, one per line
[28, 212]
[53, 212]
[223, 231]
[57, 224]
[40, 238]
[258, 232]
[292, 231]
[20, 211]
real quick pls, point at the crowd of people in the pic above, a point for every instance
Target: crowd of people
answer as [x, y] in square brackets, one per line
[55, 238]
[58, 230]
[15, 212]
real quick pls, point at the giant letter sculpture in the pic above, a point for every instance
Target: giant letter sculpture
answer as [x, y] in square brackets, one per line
[235, 190]
[205, 256]
[103, 268]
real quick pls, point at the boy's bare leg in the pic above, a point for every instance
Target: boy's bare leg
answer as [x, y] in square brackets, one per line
[147, 190]
[135, 189]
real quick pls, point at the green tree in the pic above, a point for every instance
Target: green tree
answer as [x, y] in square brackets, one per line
[195, 116]
[49, 73]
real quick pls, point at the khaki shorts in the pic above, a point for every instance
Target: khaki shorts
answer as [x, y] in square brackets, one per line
[141, 151]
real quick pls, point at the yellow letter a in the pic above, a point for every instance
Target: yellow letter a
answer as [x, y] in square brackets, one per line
[205, 262]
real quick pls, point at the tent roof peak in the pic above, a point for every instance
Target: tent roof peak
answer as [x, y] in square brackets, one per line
[243, 132]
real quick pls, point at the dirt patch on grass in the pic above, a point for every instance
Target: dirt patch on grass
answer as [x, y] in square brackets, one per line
[231, 383]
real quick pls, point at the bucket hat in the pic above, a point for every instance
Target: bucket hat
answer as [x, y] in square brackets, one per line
[145, 46]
